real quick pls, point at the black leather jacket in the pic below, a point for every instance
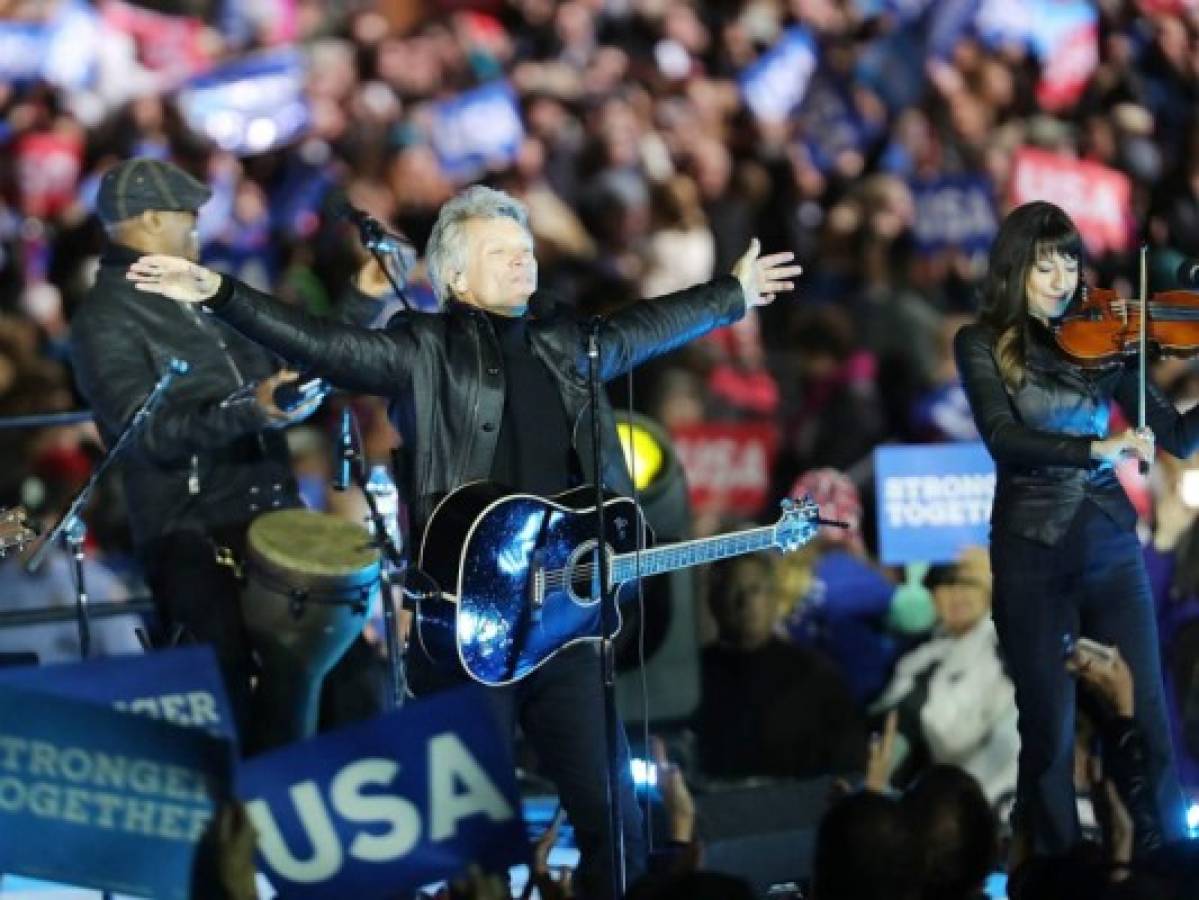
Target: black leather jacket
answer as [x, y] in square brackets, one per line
[443, 372]
[1040, 436]
[200, 462]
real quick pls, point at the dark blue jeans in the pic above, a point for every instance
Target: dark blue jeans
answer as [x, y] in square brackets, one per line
[560, 708]
[1092, 583]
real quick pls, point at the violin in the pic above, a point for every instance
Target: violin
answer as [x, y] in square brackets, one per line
[1106, 328]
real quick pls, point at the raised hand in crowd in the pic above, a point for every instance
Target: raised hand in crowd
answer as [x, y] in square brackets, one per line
[676, 797]
[224, 865]
[880, 754]
[1110, 677]
[541, 876]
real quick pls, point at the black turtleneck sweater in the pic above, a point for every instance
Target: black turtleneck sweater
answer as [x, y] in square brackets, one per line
[533, 453]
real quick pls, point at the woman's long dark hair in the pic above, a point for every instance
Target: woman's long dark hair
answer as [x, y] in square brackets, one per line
[1027, 230]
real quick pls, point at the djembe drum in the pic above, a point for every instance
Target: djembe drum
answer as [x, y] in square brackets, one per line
[312, 581]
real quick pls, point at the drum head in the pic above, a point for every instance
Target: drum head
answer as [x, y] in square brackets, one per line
[314, 544]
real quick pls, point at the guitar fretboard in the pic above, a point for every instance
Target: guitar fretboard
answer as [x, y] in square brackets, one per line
[655, 560]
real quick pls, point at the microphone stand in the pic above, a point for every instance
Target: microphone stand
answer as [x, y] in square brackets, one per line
[71, 528]
[372, 235]
[393, 561]
[608, 620]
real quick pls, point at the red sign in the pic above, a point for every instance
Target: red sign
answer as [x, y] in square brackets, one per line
[165, 43]
[47, 172]
[1166, 7]
[1097, 198]
[1066, 71]
[727, 465]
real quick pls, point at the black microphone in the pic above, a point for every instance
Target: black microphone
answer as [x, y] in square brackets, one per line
[345, 451]
[1187, 273]
[372, 234]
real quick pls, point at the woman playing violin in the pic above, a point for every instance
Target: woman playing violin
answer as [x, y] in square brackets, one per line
[1064, 550]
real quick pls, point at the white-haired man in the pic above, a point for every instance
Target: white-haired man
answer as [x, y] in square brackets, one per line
[485, 391]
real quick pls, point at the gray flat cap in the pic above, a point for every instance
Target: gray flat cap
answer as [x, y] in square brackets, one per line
[136, 185]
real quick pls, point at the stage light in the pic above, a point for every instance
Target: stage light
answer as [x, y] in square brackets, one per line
[1193, 819]
[643, 453]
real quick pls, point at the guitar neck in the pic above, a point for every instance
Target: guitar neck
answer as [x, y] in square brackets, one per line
[656, 560]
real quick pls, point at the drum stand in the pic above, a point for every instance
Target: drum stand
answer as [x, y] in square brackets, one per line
[72, 530]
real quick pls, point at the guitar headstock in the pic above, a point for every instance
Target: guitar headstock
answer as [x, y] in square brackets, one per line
[797, 525]
[15, 533]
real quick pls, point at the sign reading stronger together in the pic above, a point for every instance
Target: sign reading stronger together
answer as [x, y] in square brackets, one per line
[934, 500]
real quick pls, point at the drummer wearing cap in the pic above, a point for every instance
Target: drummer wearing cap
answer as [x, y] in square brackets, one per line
[213, 455]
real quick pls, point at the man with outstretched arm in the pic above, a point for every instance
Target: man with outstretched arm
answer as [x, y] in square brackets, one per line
[487, 390]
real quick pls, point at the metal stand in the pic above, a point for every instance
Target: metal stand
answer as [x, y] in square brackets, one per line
[391, 571]
[608, 620]
[379, 243]
[71, 528]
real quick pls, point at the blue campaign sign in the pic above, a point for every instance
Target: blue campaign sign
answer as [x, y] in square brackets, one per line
[22, 47]
[955, 211]
[1042, 25]
[388, 805]
[252, 105]
[830, 122]
[182, 686]
[477, 130]
[776, 83]
[60, 50]
[96, 797]
[934, 500]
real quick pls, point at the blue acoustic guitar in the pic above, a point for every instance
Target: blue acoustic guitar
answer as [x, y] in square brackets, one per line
[518, 576]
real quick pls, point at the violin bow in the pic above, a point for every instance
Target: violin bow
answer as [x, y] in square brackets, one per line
[1142, 429]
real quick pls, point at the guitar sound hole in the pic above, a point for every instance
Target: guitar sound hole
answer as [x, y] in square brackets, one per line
[580, 585]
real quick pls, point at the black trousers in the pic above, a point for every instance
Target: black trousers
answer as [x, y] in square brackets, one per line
[1093, 584]
[560, 710]
[192, 590]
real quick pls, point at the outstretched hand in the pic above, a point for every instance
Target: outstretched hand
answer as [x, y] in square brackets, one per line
[763, 277]
[174, 277]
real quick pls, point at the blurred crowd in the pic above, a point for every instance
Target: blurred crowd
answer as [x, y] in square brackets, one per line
[880, 140]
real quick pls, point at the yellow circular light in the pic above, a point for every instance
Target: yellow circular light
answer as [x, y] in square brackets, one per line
[642, 454]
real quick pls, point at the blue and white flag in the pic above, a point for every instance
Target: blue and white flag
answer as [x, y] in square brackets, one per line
[777, 82]
[61, 50]
[100, 798]
[933, 500]
[476, 131]
[400, 801]
[249, 106]
[182, 686]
